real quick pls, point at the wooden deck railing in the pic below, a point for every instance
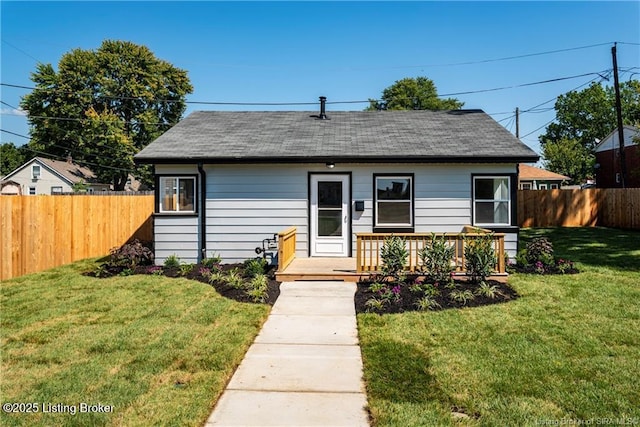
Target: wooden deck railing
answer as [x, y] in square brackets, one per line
[286, 247]
[369, 245]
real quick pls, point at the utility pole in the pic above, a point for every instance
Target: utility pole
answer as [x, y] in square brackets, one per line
[517, 123]
[623, 163]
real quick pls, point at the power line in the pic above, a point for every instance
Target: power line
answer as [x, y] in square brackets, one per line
[557, 79]
[80, 162]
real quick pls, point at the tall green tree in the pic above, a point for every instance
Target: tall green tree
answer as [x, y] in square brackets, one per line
[410, 93]
[104, 105]
[584, 118]
[11, 157]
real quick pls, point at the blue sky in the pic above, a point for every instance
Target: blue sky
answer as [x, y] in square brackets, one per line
[297, 51]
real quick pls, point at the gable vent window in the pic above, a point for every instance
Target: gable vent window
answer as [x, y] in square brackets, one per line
[491, 200]
[177, 194]
[35, 171]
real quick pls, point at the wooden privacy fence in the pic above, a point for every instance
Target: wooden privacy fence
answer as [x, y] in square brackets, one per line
[369, 245]
[40, 232]
[607, 207]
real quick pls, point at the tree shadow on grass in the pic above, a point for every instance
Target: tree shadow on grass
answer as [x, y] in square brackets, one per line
[595, 246]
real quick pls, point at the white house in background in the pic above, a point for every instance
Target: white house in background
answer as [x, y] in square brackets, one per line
[46, 176]
[227, 180]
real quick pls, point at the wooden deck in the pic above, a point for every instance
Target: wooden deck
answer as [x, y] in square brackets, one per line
[321, 269]
[337, 269]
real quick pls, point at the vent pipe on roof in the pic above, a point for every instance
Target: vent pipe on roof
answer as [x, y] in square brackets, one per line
[323, 113]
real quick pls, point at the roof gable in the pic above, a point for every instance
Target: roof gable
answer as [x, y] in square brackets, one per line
[288, 136]
[611, 141]
[526, 172]
[69, 172]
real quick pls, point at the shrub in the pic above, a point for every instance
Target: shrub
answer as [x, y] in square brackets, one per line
[185, 269]
[216, 276]
[436, 257]
[427, 303]
[172, 261]
[486, 290]
[130, 255]
[254, 267]
[211, 262]
[234, 279]
[480, 257]
[257, 288]
[394, 256]
[540, 249]
[461, 296]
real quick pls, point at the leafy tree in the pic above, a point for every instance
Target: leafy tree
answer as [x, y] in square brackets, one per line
[413, 94]
[584, 118]
[11, 157]
[568, 157]
[102, 106]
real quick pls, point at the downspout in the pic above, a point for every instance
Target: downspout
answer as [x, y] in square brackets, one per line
[202, 218]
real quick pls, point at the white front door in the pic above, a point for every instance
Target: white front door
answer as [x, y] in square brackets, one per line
[330, 230]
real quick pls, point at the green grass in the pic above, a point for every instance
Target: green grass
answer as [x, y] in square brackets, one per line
[159, 351]
[568, 349]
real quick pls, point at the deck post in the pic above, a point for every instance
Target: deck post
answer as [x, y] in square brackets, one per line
[286, 247]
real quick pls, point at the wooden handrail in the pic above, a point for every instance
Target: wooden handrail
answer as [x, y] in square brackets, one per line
[286, 247]
[368, 246]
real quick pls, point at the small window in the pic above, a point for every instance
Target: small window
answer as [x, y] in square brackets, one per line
[56, 190]
[543, 187]
[35, 171]
[177, 194]
[525, 186]
[553, 186]
[393, 201]
[32, 191]
[491, 200]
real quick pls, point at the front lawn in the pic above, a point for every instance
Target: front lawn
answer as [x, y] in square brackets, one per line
[157, 350]
[567, 349]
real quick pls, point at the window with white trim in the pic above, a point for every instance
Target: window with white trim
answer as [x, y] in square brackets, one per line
[177, 194]
[32, 191]
[56, 190]
[553, 186]
[525, 186]
[35, 171]
[393, 199]
[542, 187]
[491, 200]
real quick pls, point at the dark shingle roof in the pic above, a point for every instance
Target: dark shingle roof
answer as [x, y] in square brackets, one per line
[359, 136]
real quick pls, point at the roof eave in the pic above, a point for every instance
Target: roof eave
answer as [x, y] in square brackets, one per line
[341, 159]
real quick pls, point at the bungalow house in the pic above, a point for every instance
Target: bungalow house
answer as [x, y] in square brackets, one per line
[46, 176]
[608, 170]
[533, 178]
[227, 180]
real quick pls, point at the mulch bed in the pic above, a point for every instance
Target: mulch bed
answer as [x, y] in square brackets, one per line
[273, 288]
[408, 300]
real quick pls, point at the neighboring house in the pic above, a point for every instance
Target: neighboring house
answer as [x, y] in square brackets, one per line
[46, 176]
[227, 180]
[533, 178]
[8, 187]
[608, 168]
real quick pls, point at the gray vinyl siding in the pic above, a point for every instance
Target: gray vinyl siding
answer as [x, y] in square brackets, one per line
[176, 234]
[248, 203]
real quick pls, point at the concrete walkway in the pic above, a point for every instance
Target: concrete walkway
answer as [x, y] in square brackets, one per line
[304, 368]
